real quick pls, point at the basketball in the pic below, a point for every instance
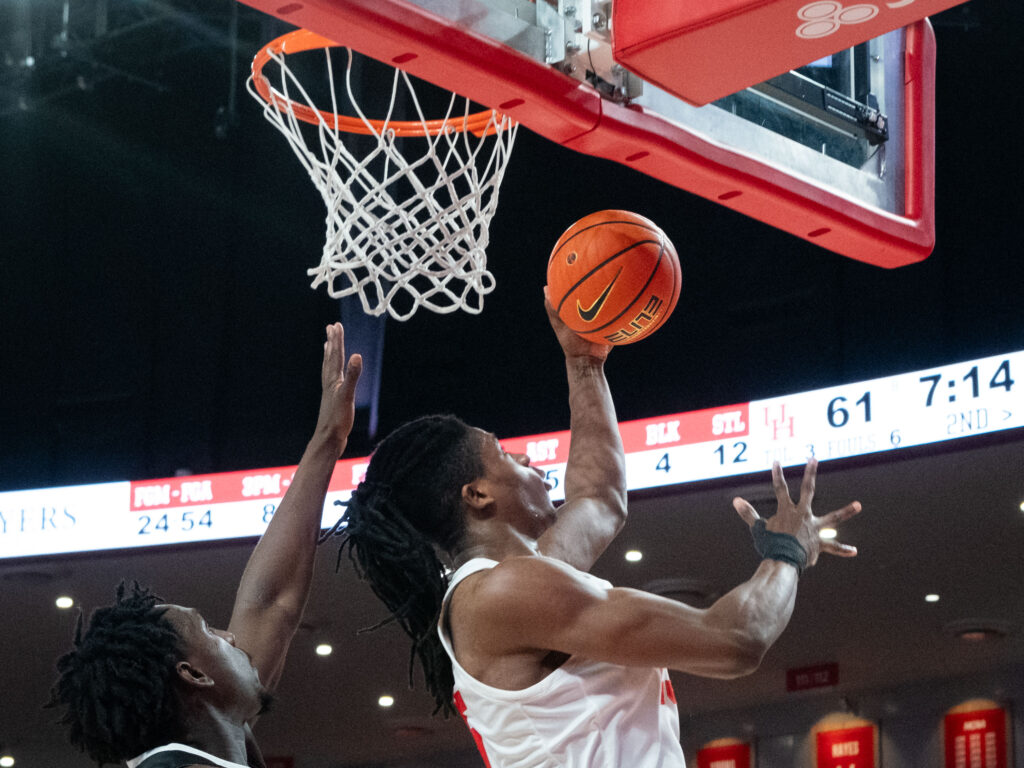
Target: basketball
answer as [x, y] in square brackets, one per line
[614, 277]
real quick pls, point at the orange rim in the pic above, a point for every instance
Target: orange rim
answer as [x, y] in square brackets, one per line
[478, 123]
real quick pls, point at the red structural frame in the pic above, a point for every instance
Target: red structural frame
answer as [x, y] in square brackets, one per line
[574, 115]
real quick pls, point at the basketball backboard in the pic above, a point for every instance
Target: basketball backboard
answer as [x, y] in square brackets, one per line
[840, 152]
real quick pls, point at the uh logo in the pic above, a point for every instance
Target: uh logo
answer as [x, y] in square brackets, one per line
[778, 422]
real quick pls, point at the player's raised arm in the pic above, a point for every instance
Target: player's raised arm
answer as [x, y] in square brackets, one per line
[595, 475]
[537, 603]
[272, 593]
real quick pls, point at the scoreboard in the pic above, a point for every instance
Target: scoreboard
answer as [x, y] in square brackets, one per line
[892, 413]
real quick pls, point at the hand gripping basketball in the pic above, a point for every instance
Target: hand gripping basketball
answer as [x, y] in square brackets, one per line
[573, 345]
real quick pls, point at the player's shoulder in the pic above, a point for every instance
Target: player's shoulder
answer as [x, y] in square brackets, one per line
[523, 580]
[522, 567]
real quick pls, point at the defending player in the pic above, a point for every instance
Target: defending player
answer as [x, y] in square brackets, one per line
[549, 665]
[153, 684]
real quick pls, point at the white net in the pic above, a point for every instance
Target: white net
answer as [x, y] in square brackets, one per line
[407, 222]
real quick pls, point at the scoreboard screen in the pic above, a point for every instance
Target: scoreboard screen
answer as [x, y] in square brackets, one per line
[892, 413]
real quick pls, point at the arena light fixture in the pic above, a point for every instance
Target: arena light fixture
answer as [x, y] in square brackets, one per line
[977, 630]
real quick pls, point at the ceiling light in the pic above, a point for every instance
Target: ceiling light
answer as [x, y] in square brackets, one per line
[6, 761]
[827, 533]
[973, 635]
[932, 598]
[1022, 506]
[634, 556]
[63, 602]
[386, 701]
[977, 630]
[324, 649]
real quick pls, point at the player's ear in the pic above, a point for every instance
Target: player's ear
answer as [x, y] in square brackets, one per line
[476, 496]
[192, 676]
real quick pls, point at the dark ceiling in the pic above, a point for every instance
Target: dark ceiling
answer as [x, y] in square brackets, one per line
[155, 315]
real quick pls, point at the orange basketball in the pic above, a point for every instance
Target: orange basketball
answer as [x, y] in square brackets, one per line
[614, 277]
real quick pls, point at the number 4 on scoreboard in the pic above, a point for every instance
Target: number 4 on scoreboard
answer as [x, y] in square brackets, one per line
[1001, 378]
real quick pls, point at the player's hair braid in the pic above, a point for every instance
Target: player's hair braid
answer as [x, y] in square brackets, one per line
[409, 507]
[116, 685]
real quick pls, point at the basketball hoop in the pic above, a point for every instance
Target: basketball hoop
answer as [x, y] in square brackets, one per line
[397, 252]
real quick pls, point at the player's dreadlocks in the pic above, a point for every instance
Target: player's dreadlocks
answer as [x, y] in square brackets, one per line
[409, 507]
[117, 684]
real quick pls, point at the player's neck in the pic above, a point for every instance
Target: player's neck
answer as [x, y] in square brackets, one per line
[216, 734]
[495, 542]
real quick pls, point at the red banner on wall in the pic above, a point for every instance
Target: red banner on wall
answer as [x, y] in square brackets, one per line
[725, 756]
[847, 748]
[976, 739]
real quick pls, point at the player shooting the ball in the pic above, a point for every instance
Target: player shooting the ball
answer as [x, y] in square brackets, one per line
[153, 684]
[549, 665]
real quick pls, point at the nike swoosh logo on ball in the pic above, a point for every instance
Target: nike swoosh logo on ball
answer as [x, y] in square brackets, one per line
[589, 313]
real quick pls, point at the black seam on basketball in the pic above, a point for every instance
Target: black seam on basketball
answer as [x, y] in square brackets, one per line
[650, 277]
[554, 253]
[677, 288]
[578, 283]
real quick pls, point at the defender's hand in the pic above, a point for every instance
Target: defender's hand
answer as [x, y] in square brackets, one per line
[337, 403]
[573, 345]
[797, 519]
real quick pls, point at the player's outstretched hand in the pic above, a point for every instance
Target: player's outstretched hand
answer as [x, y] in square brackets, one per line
[337, 402]
[797, 519]
[573, 345]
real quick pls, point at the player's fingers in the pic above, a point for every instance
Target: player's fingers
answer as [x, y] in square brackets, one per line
[779, 484]
[833, 547]
[807, 485]
[332, 365]
[328, 351]
[339, 334]
[553, 317]
[746, 511]
[352, 373]
[833, 519]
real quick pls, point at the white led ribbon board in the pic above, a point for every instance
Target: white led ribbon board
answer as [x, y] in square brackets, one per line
[896, 412]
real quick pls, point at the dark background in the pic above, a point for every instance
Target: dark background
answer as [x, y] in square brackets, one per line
[155, 314]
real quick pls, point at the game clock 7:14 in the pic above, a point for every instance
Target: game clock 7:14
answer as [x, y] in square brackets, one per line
[969, 385]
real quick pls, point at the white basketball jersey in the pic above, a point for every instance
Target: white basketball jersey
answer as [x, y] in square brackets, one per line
[584, 714]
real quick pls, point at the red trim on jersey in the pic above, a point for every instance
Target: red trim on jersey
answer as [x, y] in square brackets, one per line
[667, 692]
[460, 705]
